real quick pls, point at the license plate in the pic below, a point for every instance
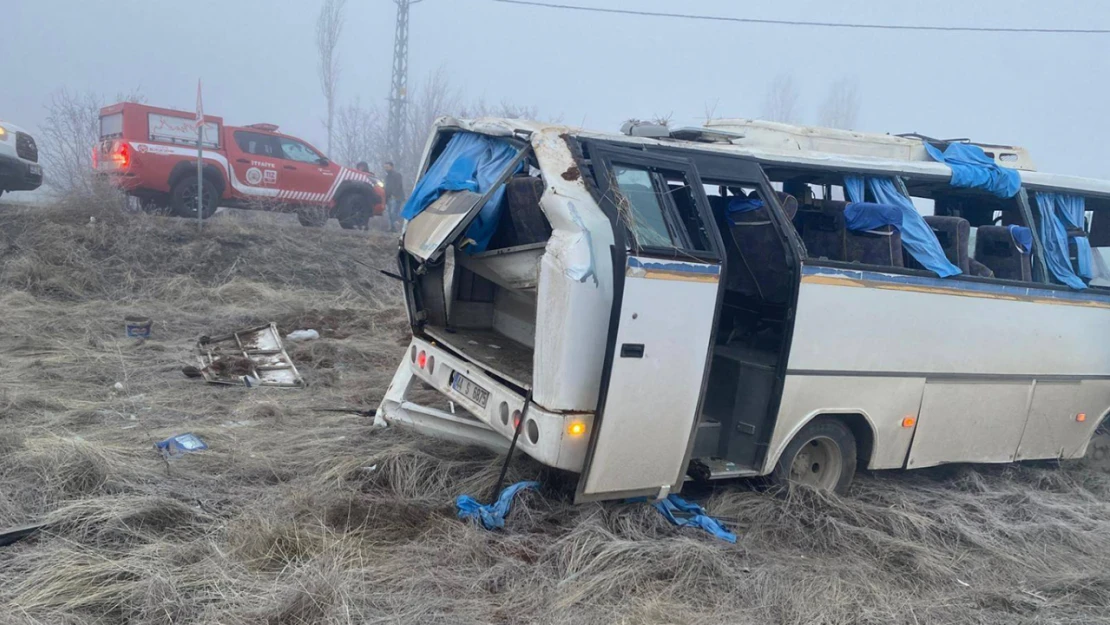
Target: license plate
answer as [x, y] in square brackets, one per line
[36, 170]
[469, 389]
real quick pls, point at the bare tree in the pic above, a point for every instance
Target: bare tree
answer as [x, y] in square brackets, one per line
[841, 106]
[356, 134]
[329, 27]
[781, 102]
[69, 134]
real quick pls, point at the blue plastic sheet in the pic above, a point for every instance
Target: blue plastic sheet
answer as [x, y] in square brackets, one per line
[1072, 211]
[863, 216]
[180, 445]
[492, 516]
[917, 237]
[973, 169]
[683, 513]
[1023, 237]
[740, 205]
[470, 162]
[1054, 235]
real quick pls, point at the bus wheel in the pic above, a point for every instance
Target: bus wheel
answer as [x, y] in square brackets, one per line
[822, 456]
[1098, 450]
[183, 198]
[312, 216]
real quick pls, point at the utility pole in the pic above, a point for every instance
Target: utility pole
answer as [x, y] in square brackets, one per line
[398, 91]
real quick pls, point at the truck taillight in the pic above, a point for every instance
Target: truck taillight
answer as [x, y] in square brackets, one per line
[122, 155]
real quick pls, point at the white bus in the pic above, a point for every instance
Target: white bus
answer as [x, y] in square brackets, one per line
[750, 299]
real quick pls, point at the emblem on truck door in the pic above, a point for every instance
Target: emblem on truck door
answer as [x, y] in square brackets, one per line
[254, 175]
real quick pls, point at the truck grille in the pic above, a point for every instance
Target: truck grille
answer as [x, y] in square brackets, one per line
[25, 147]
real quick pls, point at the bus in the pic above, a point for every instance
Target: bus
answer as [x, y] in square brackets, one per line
[751, 299]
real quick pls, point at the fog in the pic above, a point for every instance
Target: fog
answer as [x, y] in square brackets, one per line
[258, 60]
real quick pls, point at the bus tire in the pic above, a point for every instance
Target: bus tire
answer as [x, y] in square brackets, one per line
[183, 198]
[312, 216]
[1098, 449]
[822, 455]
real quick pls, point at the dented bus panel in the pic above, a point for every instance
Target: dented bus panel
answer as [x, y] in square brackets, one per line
[657, 307]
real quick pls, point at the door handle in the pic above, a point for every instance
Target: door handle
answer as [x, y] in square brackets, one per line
[632, 350]
[242, 160]
[289, 167]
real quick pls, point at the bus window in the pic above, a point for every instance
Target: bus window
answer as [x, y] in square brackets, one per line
[659, 209]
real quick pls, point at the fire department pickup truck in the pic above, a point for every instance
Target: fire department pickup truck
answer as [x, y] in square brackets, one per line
[151, 153]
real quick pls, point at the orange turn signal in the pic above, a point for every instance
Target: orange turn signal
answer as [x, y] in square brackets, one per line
[909, 422]
[576, 428]
[1081, 417]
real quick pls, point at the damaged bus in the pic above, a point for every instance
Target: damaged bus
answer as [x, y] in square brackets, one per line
[750, 299]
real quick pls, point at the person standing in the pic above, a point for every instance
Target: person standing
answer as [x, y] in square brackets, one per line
[394, 193]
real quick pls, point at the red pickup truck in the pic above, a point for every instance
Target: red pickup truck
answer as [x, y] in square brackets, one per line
[151, 153]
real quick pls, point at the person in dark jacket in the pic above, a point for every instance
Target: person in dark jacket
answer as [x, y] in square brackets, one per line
[394, 195]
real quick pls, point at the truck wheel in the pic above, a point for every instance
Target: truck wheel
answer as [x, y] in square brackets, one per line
[183, 198]
[312, 216]
[822, 456]
[353, 211]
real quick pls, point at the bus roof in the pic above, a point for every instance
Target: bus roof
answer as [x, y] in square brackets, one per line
[866, 159]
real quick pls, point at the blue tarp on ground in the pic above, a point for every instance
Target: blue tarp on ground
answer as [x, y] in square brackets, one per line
[1056, 212]
[470, 162]
[683, 513]
[491, 516]
[917, 237]
[973, 169]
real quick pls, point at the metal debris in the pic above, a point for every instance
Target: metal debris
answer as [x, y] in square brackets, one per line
[254, 357]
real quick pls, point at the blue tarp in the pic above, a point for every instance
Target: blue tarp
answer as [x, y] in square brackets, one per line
[863, 216]
[917, 237]
[470, 162]
[973, 169]
[684, 513]
[1023, 237]
[740, 205]
[1052, 228]
[493, 515]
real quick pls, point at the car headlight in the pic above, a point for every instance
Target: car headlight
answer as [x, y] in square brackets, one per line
[3, 134]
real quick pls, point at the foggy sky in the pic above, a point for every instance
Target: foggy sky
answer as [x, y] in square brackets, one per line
[258, 62]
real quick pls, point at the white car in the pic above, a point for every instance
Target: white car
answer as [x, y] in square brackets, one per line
[19, 160]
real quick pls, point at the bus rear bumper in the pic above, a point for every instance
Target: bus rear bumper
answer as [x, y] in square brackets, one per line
[555, 439]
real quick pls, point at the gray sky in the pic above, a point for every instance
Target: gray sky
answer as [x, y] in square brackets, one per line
[258, 62]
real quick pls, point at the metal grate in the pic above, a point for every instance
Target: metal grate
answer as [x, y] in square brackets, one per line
[25, 147]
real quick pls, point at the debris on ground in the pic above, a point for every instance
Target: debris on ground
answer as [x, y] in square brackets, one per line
[254, 357]
[302, 335]
[13, 535]
[176, 446]
[491, 516]
[137, 327]
[682, 513]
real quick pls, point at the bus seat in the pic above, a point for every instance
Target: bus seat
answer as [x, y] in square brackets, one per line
[996, 248]
[763, 253]
[826, 235]
[953, 234]
[527, 217]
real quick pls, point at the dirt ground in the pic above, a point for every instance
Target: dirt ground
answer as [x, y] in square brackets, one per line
[296, 515]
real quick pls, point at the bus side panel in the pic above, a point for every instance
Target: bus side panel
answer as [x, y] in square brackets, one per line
[1053, 403]
[880, 328]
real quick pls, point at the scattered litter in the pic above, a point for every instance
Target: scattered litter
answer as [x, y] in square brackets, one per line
[963, 583]
[451, 405]
[137, 327]
[302, 335]
[254, 357]
[371, 468]
[697, 517]
[180, 445]
[118, 386]
[493, 515]
[15, 534]
[191, 372]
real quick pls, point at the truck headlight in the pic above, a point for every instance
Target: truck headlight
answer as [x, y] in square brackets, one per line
[3, 134]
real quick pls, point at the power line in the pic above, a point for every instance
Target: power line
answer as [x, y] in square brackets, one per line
[753, 20]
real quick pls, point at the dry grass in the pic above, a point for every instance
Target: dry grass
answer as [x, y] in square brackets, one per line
[296, 516]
